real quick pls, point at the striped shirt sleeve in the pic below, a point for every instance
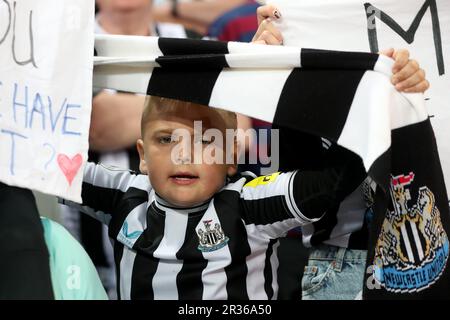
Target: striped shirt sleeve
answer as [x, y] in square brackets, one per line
[281, 201]
[104, 188]
[269, 201]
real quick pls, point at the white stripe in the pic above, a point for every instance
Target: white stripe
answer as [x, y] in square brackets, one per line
[407, 244]
[307, 233]
[250, 55]
[108, 45]
[417, 239]
[286, 60]
[114, 178]
[122, 78]
[376, 108]
[235, 90]
[277, 229]
[126, 272]
[276, 187]
[214, 277]
[255, 264]
[275, 263]
[165, 279]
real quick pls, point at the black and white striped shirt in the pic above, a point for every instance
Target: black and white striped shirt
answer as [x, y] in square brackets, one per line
[222, 249]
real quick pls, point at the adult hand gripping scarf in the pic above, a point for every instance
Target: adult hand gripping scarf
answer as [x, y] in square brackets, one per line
[345, 97]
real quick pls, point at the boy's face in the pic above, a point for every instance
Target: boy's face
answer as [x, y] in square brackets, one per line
[169, 162]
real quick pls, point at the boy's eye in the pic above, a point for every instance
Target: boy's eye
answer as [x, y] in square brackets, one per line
[165, 139]
[205, 140]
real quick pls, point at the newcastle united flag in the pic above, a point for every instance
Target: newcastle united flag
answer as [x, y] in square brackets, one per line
[345, 97]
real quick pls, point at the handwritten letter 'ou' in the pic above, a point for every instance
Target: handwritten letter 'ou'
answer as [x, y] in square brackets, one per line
[46, 59]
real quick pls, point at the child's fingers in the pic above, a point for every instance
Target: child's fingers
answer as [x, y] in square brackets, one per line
[412, 81]
[267, 27]
[259, 42]
[401, 58]
[388, 52]
[420, 87]
[267, 11]
[269, 38]
[407, 71]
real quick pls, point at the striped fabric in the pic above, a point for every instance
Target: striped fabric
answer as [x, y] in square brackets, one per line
[344, 97]
[225, 248]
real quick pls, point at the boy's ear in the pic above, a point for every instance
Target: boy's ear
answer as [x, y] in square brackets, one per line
[142, 163]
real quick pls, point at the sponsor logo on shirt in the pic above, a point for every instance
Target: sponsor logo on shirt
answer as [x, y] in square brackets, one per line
[263, 180]
[126, 237]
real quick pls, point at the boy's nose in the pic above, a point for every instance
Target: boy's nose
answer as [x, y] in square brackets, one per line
[184, 154]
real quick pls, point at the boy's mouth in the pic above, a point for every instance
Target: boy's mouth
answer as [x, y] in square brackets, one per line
[183, 178]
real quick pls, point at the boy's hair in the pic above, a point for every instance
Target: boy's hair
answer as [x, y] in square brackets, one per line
[154, 105]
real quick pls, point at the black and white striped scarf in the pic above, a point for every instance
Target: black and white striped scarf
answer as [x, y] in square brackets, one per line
[345, 97]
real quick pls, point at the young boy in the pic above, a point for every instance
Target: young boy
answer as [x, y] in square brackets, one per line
[190, 228]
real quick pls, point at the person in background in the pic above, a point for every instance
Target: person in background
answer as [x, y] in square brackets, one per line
[73, 274]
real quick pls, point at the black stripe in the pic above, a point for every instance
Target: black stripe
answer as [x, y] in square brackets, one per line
[174, 46]
[226, 204]
[189, 279]
[194, 62]
[328, 59]
[193, 86]
[403, 246]
[412, 242]
[265, 211]
[145, 265]
[324, 227]
[101, 199]
[118, 253]
[317, 101]
[268, 279]
[132, 198]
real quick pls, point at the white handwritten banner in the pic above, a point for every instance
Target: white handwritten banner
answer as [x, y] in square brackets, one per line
[422, 26]
[46, 61]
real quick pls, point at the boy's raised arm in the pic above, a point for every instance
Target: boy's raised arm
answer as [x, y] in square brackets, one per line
[277, 203]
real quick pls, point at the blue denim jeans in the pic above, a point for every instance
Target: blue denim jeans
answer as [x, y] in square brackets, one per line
[334, 273]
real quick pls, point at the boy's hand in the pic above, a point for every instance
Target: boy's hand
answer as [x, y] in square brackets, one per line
[267, 33]
[407, 74]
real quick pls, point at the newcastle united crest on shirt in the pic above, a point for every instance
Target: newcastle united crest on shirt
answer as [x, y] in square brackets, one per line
[413, 248]
[211, 239]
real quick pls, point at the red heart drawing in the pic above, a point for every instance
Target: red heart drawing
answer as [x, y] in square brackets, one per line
[69, 166]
